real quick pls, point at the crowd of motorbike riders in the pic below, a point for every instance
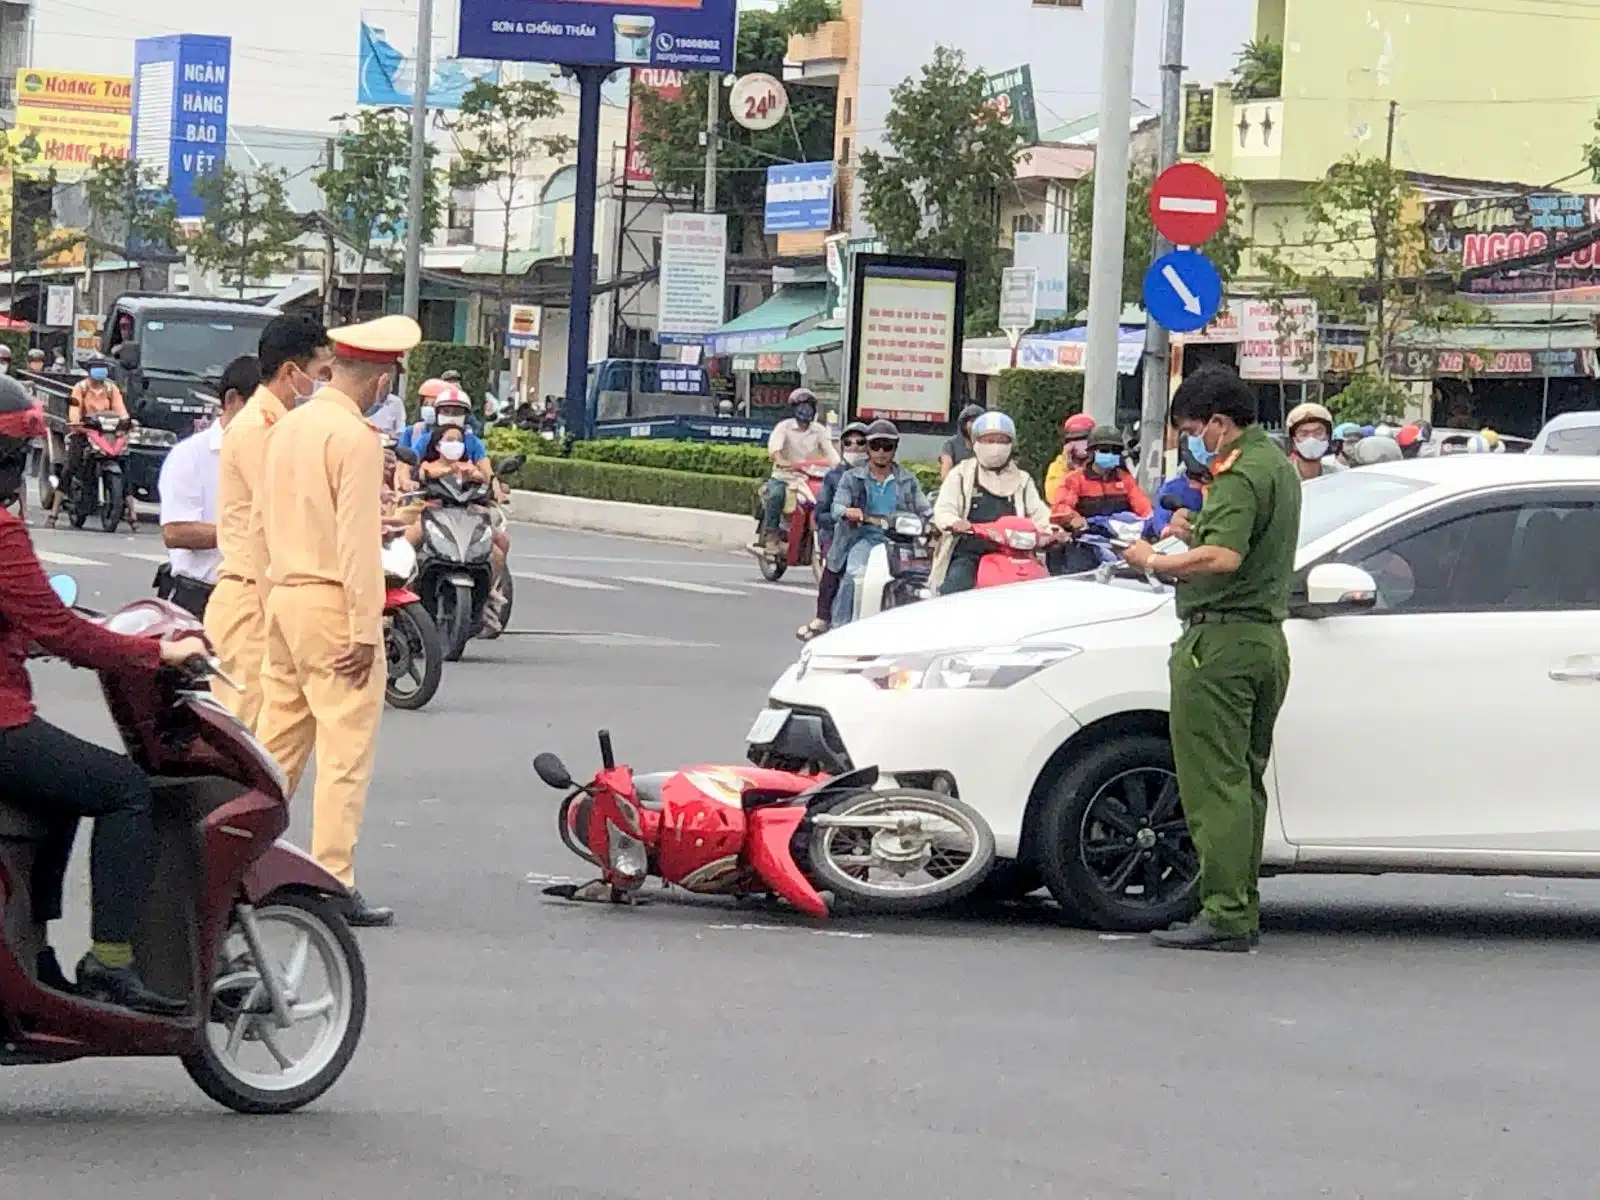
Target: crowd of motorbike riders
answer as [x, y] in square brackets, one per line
[865, 487]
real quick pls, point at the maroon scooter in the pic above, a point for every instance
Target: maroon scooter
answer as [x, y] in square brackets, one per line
[244, 927]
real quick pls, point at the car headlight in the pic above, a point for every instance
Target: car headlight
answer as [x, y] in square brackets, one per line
[951, 670]
[140, 436]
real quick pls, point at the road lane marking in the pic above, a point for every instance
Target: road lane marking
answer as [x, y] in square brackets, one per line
[679, 585]
[793, 589]
[66, 560]
[568, 581]
[150, 558]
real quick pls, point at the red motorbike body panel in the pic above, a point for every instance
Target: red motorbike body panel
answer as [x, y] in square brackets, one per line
[771, 860]
[1005, 563]
[399, 597]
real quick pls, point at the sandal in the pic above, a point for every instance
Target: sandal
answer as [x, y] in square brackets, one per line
[815, 627]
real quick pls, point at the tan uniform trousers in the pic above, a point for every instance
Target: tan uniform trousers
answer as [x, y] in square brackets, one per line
[237, 627]
[307, 707]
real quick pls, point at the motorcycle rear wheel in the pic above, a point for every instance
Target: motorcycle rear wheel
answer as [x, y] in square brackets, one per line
[416, 654]
[219, 1067]
[772, 569]
[115, 502]
[938, 838]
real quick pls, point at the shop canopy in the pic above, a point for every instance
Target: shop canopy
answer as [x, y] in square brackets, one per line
[1064, 350]
[770, 321]
[786, 355]
[1562, 349]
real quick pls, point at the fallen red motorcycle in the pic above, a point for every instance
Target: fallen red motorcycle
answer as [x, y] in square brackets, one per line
[246, 929]
[1015, 557]
[815, 841]
[797, 532]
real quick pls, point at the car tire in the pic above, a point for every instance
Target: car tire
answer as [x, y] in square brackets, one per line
[1073, 813]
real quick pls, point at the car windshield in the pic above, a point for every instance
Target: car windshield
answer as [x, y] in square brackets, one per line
[1579, 439]
[1331, 501]
[199, 348]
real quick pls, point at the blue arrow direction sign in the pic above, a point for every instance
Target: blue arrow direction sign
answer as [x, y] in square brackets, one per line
[1182, 291]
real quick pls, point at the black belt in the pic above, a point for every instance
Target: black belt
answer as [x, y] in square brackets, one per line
[1224, 618]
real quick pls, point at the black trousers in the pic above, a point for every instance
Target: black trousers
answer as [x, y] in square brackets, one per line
[61, 779]
[77, 444]
[190, 594]
[827, 593]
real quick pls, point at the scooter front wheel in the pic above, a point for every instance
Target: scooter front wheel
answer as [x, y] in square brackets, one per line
[247, 1061]
[900, 850]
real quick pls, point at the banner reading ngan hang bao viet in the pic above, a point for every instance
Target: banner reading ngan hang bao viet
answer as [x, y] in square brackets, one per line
[73, 118]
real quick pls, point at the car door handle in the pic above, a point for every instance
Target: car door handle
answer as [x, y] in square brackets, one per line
[1572, 674]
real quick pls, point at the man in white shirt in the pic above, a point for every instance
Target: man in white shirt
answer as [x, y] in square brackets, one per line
[190, 480]
[388, 415]
[801, 438]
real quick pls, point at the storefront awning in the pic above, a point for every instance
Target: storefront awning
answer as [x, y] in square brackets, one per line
[785, 355]
[1529, 351]
[1064, 350]
[770, 321]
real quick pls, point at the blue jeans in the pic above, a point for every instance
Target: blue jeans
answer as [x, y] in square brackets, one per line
[855, 564]
[773, 495]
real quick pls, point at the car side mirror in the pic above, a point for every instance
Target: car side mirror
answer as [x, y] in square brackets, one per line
[129, 356]
[1335, 589]
[66, 589]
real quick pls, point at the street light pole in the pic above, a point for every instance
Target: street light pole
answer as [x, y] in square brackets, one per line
[713, 92]
[1157, 341]
[1110, 210]
[417, 200]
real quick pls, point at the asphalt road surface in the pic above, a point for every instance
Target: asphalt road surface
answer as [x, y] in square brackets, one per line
[1392, 1038]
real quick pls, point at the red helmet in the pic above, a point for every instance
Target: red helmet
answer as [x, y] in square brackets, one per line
[1078, 427]
[1409, 436]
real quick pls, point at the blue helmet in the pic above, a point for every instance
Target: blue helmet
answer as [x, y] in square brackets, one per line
[994, 422]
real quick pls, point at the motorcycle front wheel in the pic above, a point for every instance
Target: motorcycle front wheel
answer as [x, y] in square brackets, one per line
[900, 851]
[246, 1062]
[114, 502]
[416, 657]
[455, 620]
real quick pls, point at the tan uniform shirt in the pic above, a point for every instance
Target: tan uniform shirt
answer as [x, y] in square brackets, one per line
[89, 399]
[244, 458]
[320, 506]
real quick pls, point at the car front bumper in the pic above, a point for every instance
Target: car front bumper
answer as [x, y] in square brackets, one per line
[987, 746]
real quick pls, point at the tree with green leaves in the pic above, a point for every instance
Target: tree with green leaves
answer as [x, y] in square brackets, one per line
[249, 229]
[1359, 243]
[935, 189]
[504, 131]
[671, 138]
[130, 208]
[1225, 250]
[1258, 70]
[367, 190]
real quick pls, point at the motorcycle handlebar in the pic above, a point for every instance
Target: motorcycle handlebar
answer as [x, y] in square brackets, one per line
[608, 758]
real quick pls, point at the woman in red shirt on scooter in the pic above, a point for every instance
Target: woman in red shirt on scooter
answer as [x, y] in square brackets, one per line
[60, 778]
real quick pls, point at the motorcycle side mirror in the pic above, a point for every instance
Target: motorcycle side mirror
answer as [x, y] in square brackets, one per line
[66, 589]
[553, 772]
[129, 356]
[406, 455]
[511, 465]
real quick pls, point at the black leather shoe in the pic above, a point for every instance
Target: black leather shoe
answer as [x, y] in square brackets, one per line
[123, 987]
[1201, 935]
[49, 973]
[361, 915]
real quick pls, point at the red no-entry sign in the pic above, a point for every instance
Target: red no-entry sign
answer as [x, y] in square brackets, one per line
[1188, 204]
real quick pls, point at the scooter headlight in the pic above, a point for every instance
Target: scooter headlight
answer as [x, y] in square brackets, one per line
[951, 670]
[1022, 539]
[628, 855]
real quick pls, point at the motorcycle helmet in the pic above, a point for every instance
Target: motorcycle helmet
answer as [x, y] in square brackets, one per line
[803, 403]
[431, 388]
[858, 430]
[20, 423]
[1077, 427]
[994, 422]
[452, 407]
[970, 414]
[1496, 446]
[1374, 450]
[1410, 440]
[882, 431]
[1310, 411]
[1107, 437]
[1383, 431]
[1346, 429]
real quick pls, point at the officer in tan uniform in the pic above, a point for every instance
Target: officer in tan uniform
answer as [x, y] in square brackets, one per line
[321, 510]
[294, 356]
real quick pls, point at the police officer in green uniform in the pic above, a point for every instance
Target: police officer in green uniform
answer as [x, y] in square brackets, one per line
[1230, 667]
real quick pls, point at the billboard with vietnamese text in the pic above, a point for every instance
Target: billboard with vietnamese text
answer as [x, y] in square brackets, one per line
[72, 119]
[905, 337]
[693, 35]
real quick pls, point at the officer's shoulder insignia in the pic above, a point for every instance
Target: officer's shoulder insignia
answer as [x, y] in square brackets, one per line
[1224, 465]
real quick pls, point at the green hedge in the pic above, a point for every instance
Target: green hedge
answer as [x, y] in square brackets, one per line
[18, 341]
[638, 485]
[1039, 401]
[432, 359]
[503, 440]
[703, 458]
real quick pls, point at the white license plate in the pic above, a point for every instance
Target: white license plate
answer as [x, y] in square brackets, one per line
[767, 727]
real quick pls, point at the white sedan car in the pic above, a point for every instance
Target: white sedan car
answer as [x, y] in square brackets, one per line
[1444, 714]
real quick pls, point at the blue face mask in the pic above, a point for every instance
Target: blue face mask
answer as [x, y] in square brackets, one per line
[98, 373]
[1105, 460]
[1197, 449]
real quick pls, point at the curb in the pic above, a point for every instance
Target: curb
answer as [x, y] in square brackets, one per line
[690, 526]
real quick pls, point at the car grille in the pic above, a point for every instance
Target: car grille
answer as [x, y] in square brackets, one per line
[830, 737]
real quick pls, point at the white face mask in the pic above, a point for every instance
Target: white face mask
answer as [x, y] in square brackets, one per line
[425, 414]
[992, 456]
[854, 458]
[452, 450]
[1311, 449]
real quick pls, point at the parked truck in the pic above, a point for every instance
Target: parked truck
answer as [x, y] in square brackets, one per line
[167, 354]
